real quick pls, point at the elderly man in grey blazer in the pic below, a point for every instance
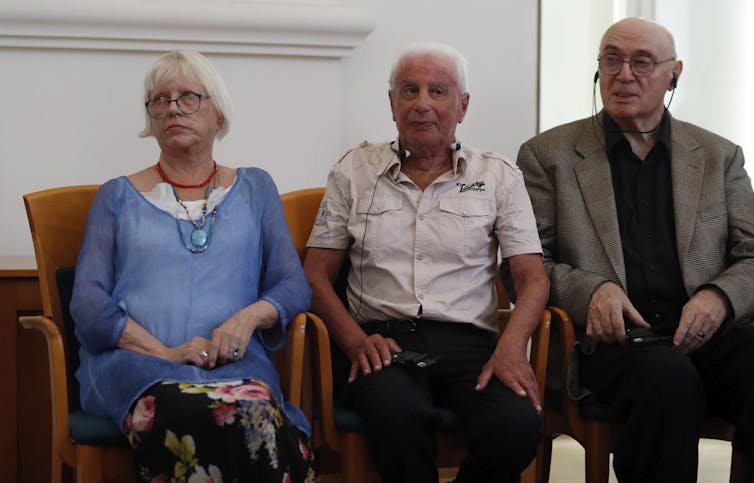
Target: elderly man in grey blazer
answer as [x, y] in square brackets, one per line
[647, 224]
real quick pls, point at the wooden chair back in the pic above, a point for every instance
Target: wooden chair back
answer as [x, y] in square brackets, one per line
[57, 218]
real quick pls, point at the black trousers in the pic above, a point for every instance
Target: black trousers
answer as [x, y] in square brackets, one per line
[664, 396]
[502, 427]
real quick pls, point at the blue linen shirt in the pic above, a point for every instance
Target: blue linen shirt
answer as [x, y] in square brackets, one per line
[134, 264]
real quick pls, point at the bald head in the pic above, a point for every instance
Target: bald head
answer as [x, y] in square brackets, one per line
[640, 30]
[636, 100]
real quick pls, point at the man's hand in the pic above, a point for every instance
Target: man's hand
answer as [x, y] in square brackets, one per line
[700, 319]
[510, 365]
[605, 316]
[372, 352]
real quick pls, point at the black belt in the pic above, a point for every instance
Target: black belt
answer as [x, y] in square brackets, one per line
[395, 326]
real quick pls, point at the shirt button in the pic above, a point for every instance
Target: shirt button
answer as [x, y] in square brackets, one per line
[420, 257]
[651, 268]
[421, 297]
[421, 217]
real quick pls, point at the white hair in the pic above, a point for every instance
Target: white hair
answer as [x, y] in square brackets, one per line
[434, 49]
[193, 67]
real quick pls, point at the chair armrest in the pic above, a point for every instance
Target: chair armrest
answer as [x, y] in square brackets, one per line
[564, 327]
[291, 366]
[58, 382]
[322, 385]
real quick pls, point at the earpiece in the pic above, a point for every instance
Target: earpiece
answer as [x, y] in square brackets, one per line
[674, 81]
[596, 76]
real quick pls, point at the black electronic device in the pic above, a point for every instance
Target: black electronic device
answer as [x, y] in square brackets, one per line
[642, 335]
[413, 359]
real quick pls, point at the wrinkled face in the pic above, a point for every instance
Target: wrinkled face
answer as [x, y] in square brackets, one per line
[629, 99]
[178, 130]
[426, 103]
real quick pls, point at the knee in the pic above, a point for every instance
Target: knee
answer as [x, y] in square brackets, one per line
[673, 379]
[516, 429]
[398, 414]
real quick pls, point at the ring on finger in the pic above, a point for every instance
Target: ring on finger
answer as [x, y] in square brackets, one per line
[233, 353]
[204, 354]
[700, 334]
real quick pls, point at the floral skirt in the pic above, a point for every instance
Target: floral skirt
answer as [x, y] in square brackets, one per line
[233, 431]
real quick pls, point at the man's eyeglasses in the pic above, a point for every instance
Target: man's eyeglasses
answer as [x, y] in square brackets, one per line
[641, 65]
[187, 103]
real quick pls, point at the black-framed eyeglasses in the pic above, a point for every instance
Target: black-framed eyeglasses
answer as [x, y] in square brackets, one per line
[187, 103]
[641, 65]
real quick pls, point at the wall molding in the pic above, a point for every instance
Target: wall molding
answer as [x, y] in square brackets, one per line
[217, 26]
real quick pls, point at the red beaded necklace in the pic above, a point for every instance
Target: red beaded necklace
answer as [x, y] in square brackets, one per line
[179, 185]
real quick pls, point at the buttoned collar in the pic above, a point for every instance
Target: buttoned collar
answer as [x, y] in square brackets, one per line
[393, 165]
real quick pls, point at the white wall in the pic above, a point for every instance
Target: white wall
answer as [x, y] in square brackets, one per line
[71, 114]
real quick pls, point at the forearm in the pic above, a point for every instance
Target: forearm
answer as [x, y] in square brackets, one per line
[342, 327]
[137, 339]
[260, 315]
[322, 267]
[532, 289]
[526, 314]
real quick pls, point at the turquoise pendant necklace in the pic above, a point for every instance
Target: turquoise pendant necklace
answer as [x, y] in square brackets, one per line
[200, 238]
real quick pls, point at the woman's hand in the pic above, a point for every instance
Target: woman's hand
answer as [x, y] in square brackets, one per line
[232, 336]
[199, 351]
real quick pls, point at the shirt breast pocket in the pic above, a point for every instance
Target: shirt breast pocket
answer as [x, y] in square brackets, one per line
[377, 221]
[467, 224]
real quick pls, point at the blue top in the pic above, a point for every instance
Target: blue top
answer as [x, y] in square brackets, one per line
[134, 264]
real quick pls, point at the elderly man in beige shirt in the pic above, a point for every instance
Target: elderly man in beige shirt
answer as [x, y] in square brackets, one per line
[421, 220]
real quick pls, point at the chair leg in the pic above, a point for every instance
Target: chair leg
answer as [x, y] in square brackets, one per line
[353, 457]
[738, 467]
[597, 452]
[89, 463]
[529, 474]
[56, 467]
[543, 461]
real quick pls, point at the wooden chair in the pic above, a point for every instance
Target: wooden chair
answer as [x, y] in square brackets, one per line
[593, 424]
[92, 446]
[338, 431]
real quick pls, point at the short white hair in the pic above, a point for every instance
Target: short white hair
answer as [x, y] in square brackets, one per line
[193, 67]
[434, 49]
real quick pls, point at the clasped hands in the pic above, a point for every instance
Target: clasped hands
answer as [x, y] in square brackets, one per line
[228, 344]
[610, 308]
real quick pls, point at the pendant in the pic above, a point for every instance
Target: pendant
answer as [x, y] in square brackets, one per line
[199, 237]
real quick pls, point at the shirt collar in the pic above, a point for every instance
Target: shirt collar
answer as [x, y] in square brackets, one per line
[394, 163]
[614, 136]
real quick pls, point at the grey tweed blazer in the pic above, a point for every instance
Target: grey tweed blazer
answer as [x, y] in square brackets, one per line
[568, 178]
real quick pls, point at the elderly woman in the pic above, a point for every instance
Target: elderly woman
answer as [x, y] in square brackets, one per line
[186, 281]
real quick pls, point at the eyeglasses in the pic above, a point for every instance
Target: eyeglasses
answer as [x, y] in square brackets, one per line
[641, 65]
[187, 103]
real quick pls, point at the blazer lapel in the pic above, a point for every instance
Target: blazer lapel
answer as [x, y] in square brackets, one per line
[687, 167]
[596, 184]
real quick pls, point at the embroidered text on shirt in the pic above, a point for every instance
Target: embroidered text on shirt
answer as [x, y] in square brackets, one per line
[477, 186]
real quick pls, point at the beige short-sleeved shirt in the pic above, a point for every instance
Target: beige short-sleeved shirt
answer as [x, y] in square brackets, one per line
[431, 253]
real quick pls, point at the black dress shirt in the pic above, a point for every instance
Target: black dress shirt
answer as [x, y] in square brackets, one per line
[644, 200]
